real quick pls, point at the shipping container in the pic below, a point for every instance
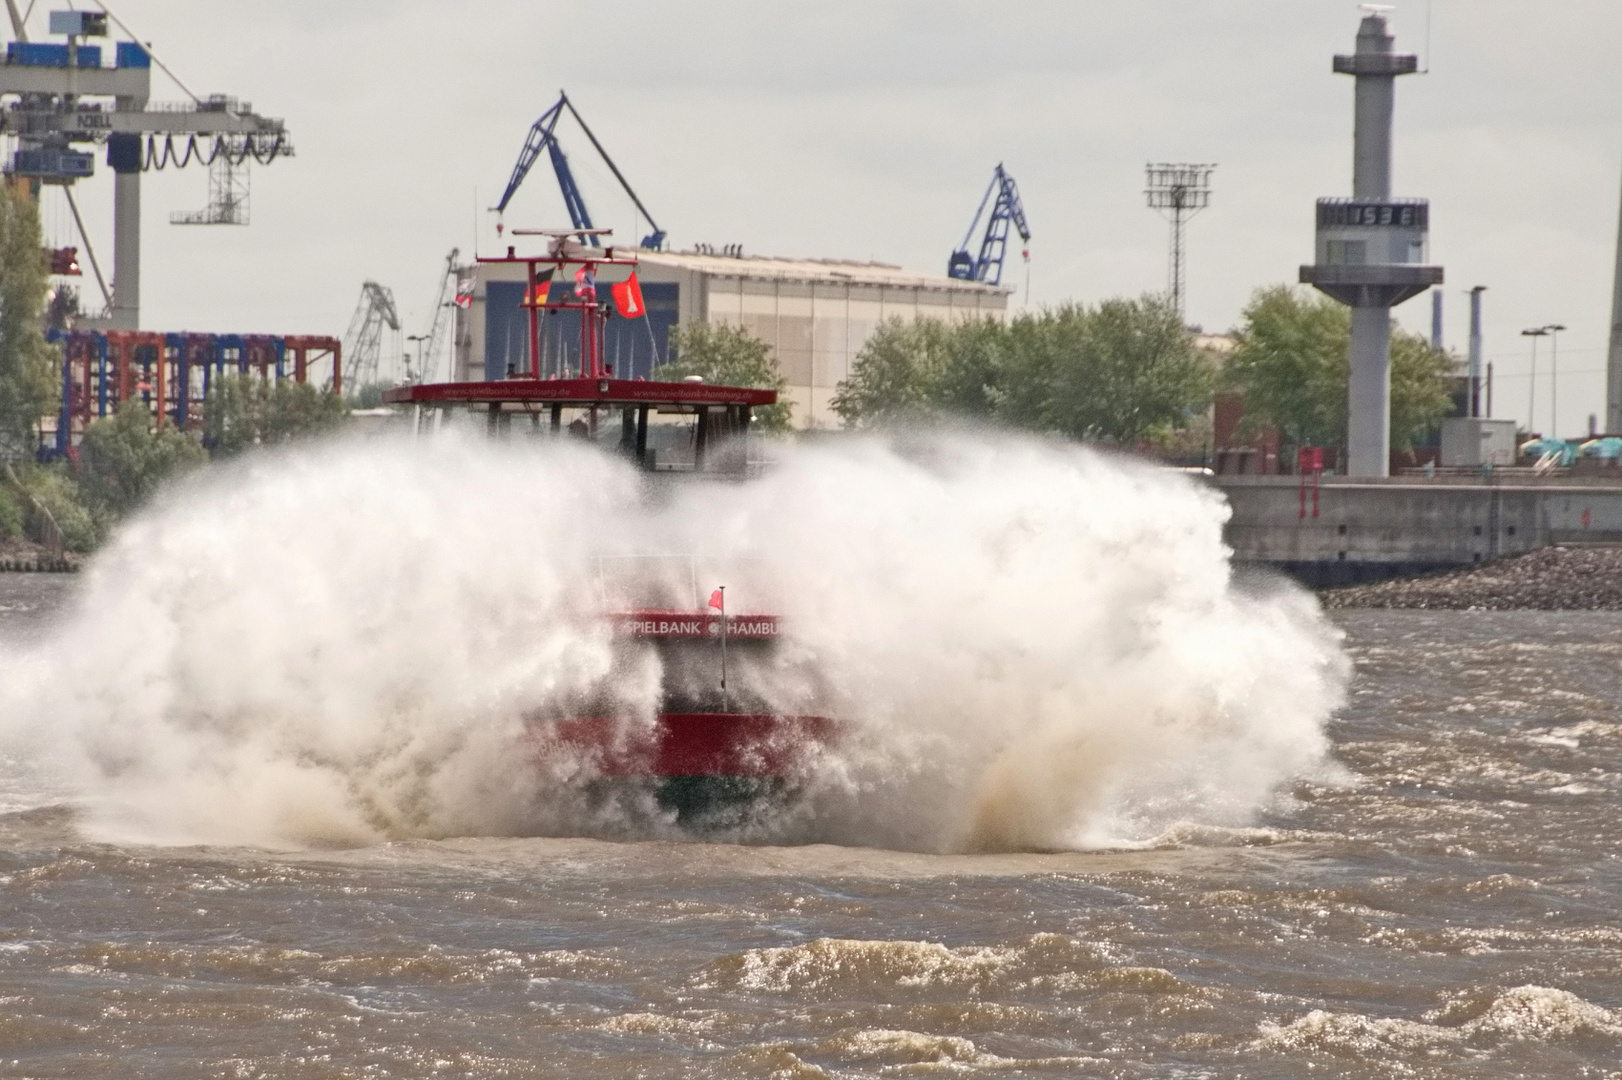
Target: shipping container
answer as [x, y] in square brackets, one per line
[45, 54]
[50, 163]
[131, 55]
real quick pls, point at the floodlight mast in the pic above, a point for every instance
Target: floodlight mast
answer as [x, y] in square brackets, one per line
[1178, 191]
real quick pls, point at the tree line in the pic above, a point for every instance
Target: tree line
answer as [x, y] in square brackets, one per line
[1121, 372]
[1128, 373]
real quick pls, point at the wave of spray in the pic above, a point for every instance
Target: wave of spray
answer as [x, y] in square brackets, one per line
[1025, 645]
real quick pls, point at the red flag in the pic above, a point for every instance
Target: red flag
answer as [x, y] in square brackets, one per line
[718, 600]
[628, 297]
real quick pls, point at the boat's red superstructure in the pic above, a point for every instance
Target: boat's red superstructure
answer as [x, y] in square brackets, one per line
[695, 743]
[708, 744]
[721, 414]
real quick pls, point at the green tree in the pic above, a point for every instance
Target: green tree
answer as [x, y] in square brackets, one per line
[11, 514]
[910, 372]
[368, 395]
[124, 460]
[1121, 372]
[1291, 362]
[969, 380]
[53, 501]
[892, 380]
[1419, 386]
[728, 356]
[28, 365]
[243, 411]
[298, 411]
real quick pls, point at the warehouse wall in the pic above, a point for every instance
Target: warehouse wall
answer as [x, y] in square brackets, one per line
[815, 328]
[818, 328]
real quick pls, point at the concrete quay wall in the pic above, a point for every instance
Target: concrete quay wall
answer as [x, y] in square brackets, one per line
[1370, 530]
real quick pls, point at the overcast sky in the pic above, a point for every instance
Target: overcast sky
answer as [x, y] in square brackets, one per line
[869, 131]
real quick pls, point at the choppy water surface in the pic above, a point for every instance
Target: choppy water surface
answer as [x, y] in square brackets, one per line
[1453, 908]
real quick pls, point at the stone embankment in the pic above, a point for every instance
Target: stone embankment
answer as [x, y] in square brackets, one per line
[25, 557]
[1548, 579]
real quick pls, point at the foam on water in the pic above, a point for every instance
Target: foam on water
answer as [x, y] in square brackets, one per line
[1521, 1014]
[1026, 645]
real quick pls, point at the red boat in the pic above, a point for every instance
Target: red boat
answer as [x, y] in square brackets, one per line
[716, 748]
[717, 743]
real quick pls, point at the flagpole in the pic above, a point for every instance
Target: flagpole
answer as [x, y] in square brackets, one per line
[652, 341]
[725, 705]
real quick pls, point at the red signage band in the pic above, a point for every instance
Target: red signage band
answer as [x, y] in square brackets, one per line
[670, 624]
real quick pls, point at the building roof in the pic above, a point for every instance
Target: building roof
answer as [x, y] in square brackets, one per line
[832, 271]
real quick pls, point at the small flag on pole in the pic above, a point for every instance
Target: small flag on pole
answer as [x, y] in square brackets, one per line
[718, 601]
[628, 297]
[543, 287]
[585, 283]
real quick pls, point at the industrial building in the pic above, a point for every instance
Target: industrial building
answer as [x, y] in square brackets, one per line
[816, 314]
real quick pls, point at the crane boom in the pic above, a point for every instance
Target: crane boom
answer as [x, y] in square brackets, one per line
[434, 340]
[543, 135]
[1006, 211]
[658, 234]
[363, 341]
[571, 192]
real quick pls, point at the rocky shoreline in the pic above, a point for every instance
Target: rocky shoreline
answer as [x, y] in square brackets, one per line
[26, 557]
[1549, 579]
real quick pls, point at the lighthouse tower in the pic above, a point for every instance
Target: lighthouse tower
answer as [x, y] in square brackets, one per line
[1371, 248]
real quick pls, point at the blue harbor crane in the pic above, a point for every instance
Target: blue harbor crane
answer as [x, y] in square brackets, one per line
[1006, 211]
[542, 135]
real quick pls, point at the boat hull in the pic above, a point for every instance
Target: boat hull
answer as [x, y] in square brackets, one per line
[697, 744]
[708, 769]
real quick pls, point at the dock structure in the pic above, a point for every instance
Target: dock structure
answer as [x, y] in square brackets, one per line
[172, 373]
[1355, 530]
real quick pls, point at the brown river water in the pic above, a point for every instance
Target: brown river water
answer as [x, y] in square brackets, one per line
[1451, 906]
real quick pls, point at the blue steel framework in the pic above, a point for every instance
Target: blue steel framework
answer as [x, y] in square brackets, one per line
[171, 373]
[542, 135]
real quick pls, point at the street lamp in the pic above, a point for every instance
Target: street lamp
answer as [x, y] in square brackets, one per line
[1554, 375]
[1532, 383]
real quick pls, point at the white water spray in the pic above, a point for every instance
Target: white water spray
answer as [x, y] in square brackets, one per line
[1025, 645]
